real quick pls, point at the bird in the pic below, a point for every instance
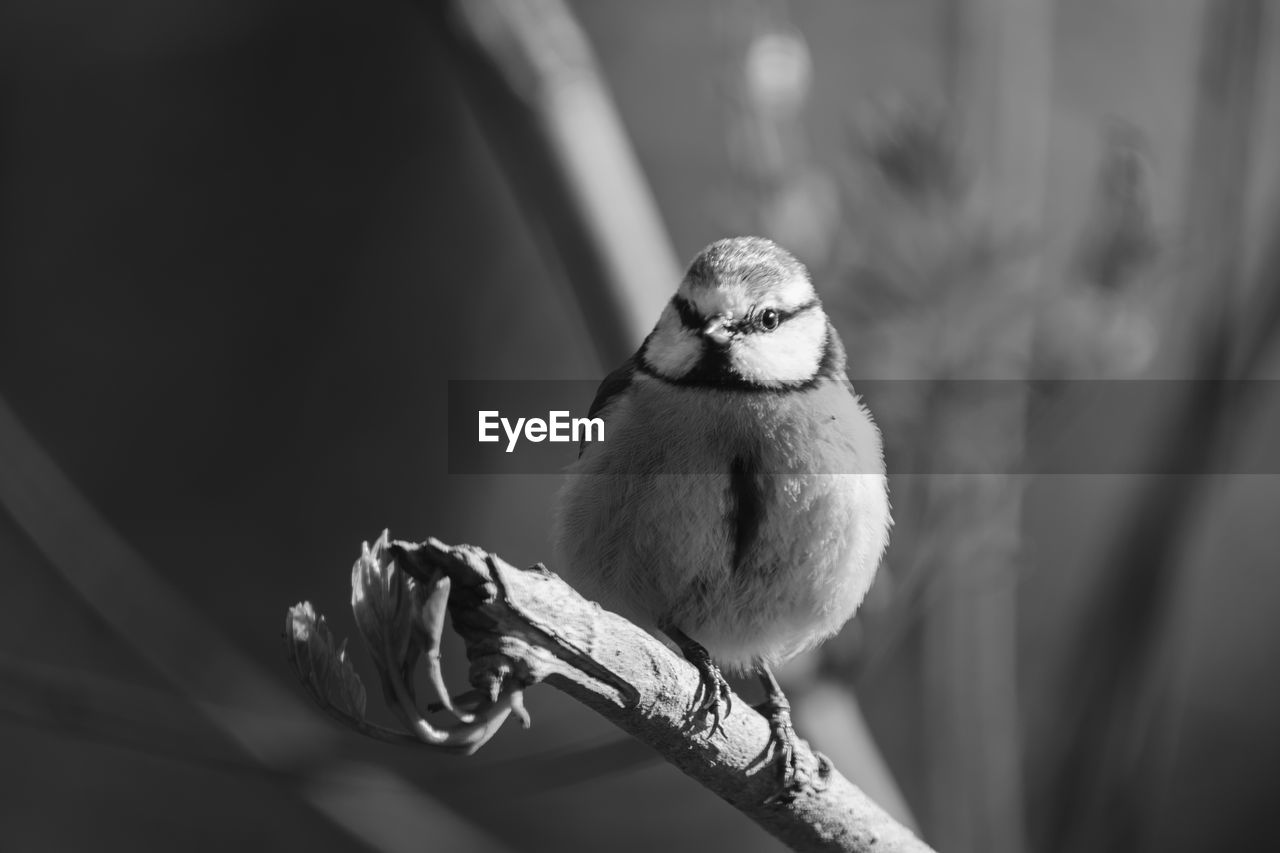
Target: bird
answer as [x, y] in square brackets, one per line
[738, 503]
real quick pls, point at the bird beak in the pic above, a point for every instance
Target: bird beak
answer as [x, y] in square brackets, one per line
[717, 330]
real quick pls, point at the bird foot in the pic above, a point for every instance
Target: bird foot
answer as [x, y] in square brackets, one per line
[714, 698]
[793, 780]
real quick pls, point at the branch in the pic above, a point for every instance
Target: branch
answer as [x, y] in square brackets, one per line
[523, 627]
[532, 82]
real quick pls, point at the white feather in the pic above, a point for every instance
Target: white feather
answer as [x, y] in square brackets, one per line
[673, 350]
[643, 518]
[790, 353]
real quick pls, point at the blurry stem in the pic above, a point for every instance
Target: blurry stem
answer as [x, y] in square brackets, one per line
[87, 705]
[253, 717]
[1121, 666]
[1260, 323]
[532, 83]
[1001, 56]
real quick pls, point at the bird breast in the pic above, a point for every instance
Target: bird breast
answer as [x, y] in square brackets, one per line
[751, 521]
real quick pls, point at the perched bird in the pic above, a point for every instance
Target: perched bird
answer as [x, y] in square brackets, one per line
[738, 503]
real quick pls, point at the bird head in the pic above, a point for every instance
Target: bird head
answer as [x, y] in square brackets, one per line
[746, 314]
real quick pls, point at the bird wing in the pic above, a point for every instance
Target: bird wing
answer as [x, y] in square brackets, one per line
[613, 385]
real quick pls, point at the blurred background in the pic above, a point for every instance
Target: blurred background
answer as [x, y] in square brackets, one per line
[244, 245]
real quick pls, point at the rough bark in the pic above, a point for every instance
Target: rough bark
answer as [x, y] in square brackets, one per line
[524, 627]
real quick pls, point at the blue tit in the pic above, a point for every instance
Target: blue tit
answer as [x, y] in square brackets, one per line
[738, 502]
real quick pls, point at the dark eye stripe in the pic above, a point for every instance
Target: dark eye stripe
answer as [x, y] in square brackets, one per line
[754, 325]
[784, 316]
[691, 319]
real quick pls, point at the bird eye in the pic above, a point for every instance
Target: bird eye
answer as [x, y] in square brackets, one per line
[769, 319]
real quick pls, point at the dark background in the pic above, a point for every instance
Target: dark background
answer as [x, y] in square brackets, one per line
[244, 245]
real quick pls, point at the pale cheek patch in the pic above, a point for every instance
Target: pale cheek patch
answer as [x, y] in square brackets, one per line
[673, 350]
[790, 353]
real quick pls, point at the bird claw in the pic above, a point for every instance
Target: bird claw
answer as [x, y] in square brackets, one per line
[713, 698]
[783, 752]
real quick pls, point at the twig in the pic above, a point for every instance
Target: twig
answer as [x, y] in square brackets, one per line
[523, 627]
